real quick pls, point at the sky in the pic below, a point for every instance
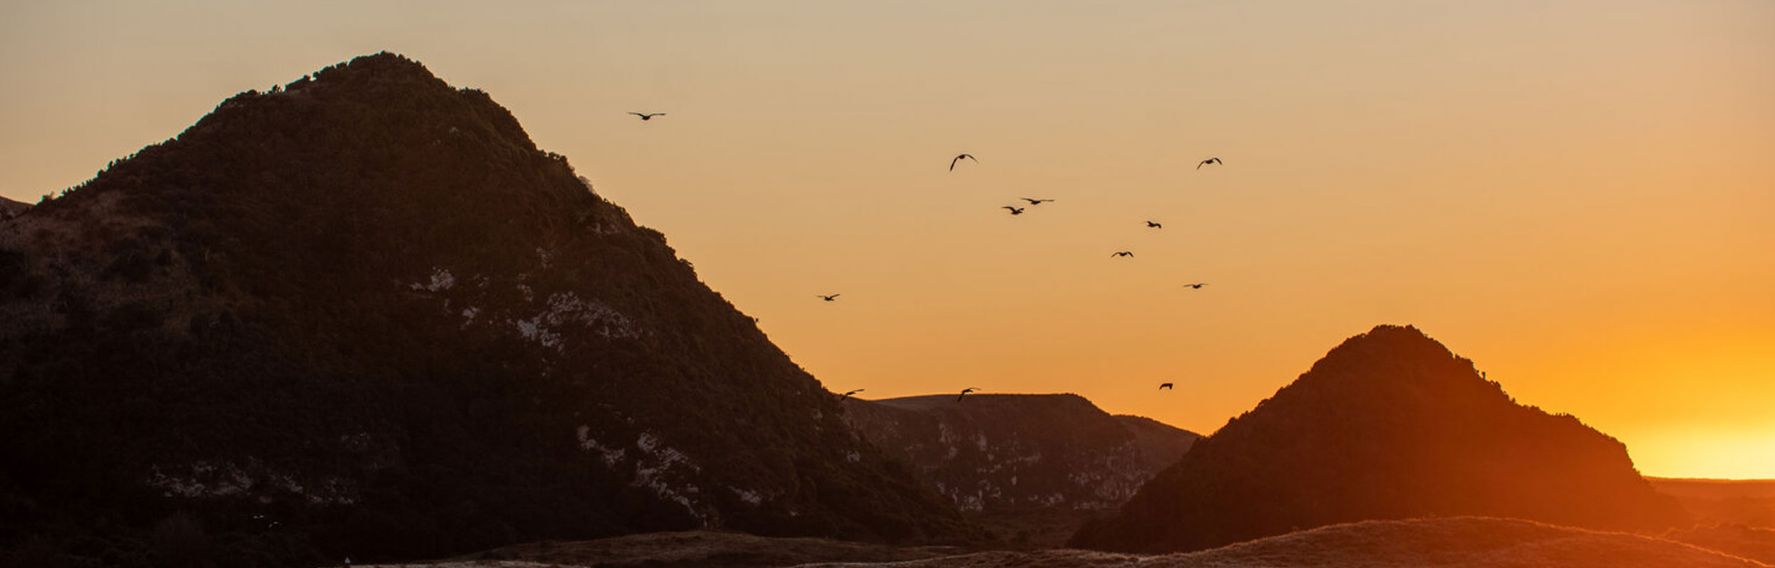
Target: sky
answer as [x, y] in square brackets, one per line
[1576, 195]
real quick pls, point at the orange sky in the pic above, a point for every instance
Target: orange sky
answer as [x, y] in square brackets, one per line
[1578, 196]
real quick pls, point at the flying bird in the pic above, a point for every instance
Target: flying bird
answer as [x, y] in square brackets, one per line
[1165, 386]
[1035, 201]
[958, 158]
[964, 392]
[1209, 161]
[1154, 225]
[646, 116]
[831, 298]
[1014, 210]
[1122, 253]
[1195, 285]
[848, 394]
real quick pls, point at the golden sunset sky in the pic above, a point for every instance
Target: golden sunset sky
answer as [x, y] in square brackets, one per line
[1579, 196]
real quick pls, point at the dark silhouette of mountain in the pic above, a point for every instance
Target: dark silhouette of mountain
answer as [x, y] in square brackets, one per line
[1030, 467]
[362, 314]
[1388, 425]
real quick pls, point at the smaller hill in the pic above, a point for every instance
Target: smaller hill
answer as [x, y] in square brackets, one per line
[1389, 425]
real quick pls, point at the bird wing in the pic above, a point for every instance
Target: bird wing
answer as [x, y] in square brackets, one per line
[638, 114]
[952, 163]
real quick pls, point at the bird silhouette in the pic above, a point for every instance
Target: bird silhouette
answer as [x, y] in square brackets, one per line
[1165, 386]
[1129, 254]
[1154, 225]
[1014, 210]
[829, 298]
[964, 392]
[1035, 201]
[1213, 161]
[1195, 285]
[958, 158]
[646, 116]
[848, 394]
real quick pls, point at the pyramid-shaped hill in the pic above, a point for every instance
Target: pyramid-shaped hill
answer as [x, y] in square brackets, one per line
[1388, 425]
[362, 314]
[998, 453]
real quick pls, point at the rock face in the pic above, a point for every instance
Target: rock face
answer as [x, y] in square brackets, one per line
[1006, 453]
[1388, 425]
[362, 314]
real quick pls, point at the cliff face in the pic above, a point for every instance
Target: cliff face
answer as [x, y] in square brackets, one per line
[1388, 425]
[364, 314]
[1007, 453]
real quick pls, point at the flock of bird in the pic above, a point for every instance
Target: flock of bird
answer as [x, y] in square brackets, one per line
[1014, 210]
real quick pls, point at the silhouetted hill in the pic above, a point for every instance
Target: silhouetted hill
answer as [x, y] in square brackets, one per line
[1007, 452]
[363, 314]
[1388, 425]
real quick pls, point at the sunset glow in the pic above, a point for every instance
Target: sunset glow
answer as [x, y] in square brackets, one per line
[1577, 197]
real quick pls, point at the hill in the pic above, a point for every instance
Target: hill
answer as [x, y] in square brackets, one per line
[363, 314]
[1388, 425]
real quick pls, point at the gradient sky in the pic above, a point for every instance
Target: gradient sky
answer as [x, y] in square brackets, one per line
[1577, 195]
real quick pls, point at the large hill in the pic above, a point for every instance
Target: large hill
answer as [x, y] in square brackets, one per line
[1388, 425]
[363, 314]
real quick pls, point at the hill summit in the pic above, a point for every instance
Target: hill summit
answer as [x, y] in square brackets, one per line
[363, 314]
[1388, 425]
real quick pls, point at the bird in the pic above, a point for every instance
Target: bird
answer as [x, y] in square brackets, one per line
[648, 115]
[1129, 254]
[1195, 285]
[829, 298]
[1214, 161]
[1154, 225]
[1014, 210]
[1035, 201]
[958, 158]
[848, 394]
[964, 392]
[1165, 386]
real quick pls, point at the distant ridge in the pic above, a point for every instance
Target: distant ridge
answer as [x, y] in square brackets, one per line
[1009, 452]
[1388, 425]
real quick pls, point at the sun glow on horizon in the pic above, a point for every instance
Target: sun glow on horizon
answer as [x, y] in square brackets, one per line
[1575, 195]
